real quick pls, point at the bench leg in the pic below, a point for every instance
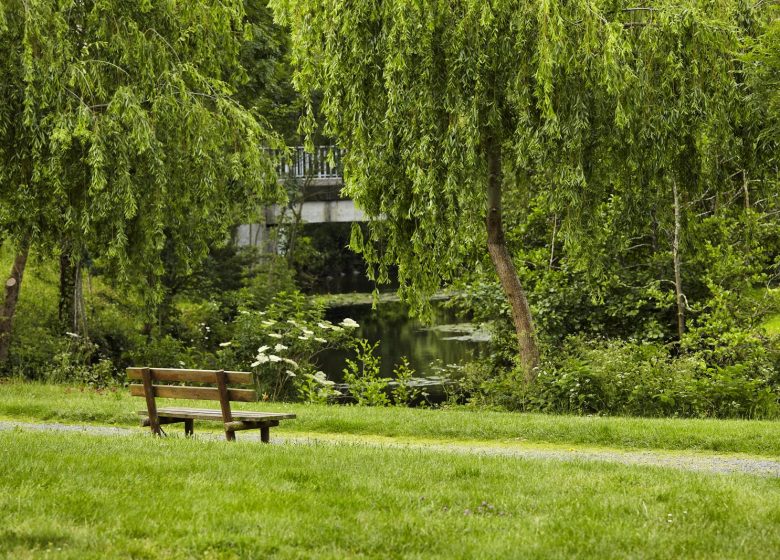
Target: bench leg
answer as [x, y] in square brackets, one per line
[230, 435]
[265, 434]
[189, 426]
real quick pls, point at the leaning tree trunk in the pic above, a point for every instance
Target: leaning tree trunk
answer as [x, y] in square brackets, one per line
[12, 287]
[505, 268]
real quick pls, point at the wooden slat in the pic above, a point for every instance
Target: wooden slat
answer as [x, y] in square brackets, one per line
[216, 413]
[191, 375]
[195, 393]
[213, 414]
[263, 415]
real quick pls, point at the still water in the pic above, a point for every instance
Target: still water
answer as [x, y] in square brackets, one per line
[429, 348]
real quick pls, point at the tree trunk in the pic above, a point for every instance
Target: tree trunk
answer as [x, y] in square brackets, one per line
[67, 290]
[680, 298]
[12, 288]
[72, 308]
[505, 268]
[552, 241]
[79, 304]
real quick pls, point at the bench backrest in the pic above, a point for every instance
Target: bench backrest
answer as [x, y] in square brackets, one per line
[152, 377]
[151, 388]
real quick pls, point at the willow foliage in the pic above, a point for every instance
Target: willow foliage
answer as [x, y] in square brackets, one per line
[415, 89]
[119, 131]
[594, 103]
[763, 77]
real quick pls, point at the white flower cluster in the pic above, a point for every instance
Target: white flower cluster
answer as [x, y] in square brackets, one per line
[280, 330]
[263, 358]
[305, 333]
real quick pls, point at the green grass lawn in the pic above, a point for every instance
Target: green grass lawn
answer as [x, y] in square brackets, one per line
[85, 496]
[40, 402]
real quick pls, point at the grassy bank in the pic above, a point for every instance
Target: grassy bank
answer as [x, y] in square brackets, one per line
[40, 402]
[80, 496]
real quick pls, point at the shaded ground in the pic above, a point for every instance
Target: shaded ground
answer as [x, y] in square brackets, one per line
[686, 461]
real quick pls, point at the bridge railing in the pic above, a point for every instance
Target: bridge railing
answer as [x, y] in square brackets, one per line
[324, 163]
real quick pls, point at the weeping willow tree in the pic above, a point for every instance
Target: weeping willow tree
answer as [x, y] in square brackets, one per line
[433, 100]
[683, 148]
[119, 134]
[591, 102]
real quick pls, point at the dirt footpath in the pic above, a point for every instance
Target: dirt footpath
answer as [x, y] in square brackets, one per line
[685, 461]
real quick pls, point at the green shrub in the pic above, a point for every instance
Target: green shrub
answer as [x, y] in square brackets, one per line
[635, 379]
[167, 351]
[316, 388]
[403, 393]
[280, 343]
[362, 375]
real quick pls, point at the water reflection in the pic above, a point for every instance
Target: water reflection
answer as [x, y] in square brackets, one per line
[447, 341]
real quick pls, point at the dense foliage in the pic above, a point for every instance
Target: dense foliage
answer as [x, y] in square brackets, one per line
[121, 140]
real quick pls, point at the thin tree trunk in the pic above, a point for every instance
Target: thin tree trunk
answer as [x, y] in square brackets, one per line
[66, 302]
[746, 189]
[79, 305]
[677, 264]
[12, 288]
[72, 310]
[552, 241]
[505, 268]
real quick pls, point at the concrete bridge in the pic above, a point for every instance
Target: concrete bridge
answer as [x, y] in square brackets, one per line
[317, 180]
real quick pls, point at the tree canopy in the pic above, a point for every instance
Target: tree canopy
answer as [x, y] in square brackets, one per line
[586, 101]
[120, 133]
[121, 119]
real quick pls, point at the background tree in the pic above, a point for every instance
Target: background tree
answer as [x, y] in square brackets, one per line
[120, 133]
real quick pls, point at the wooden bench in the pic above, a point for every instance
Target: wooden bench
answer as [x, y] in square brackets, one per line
[154, 417]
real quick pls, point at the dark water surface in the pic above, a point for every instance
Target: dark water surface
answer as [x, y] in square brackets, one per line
[429, 348]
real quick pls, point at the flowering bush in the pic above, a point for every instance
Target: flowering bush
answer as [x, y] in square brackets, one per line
[281, 342]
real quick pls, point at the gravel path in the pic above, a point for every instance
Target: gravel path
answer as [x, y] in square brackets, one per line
[684, 461]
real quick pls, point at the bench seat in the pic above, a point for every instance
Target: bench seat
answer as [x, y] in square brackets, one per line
[215, 414]
[240, 420]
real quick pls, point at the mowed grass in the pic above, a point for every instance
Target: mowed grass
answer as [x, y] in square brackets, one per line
[39, 402]
[86, 496]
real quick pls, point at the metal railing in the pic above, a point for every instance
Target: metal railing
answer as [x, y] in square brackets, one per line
[324, 163]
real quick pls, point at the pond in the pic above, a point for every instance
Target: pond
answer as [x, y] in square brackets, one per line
[429, 348]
